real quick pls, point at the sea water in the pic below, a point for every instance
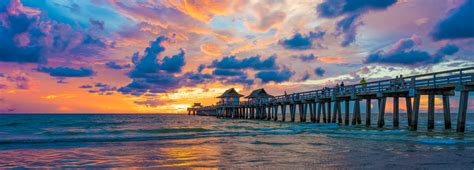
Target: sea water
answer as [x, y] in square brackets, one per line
[166, 141]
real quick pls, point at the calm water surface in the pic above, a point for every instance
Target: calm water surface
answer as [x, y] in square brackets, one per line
[144, 141]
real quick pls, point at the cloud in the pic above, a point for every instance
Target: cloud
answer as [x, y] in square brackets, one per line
[403, 52]
[231, 62]
[151, 74]
[220, 72]
[20, 81]
[275, 76]
[305, 77]
[116, 66]
[150, 102]
[29, 37]
[319, 71]
[174, 63]
[85, 86]
[458, 24]
[302, 42]
[67, 71]
[305, 57]
[351, 10]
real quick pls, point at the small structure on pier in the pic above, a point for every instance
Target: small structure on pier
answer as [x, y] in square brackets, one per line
[258, 96]
[193, 108]
[230, 97]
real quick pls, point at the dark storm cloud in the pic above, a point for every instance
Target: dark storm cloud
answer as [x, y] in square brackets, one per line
[221, 72]
[458, 24]
[67, 71]
[302, 42]
[174, 63]
[231, 62]
[116, 66]
[305, 57]
[319, 71]
[275, 76]
[351, 10]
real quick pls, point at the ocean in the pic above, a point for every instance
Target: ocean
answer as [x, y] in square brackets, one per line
[182, 141]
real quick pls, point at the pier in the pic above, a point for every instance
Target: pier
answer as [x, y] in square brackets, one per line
[324, 105]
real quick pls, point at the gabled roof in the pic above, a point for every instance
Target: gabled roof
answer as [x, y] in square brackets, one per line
[259, 93]
[230, 93]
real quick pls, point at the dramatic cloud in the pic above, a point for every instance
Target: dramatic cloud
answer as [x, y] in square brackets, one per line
[67, 71]
[319, 71]
[351, 10]
[302, 42]
[28, 37]
[231, 62]
[154, 75]
[305, 58]
[275, 76]
[116, 66]
[458, 24]
[404, 53]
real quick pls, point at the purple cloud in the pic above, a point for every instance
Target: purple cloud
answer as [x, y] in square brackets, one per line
[458, 24]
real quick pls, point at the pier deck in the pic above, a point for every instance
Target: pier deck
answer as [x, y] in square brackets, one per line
[325, 104]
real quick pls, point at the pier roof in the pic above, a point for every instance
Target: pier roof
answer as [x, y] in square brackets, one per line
[230, 93]
[259, 93]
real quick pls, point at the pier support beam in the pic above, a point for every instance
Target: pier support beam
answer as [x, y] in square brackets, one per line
[396, 114]
[334, 114]
[318, 114]
[381, 118]
[312, 111]
[356, 116]
[323, 104]
[328, 115]
[368, 110]
[283, 112]
[409, 109]
[346, 114]
[416, 110]
[431, 110]
[292, 112]
[303, 107]
[275, 112]
[463, 99]
[446, 112]
[339, 114]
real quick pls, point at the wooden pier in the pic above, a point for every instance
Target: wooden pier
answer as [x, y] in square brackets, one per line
[324, 105]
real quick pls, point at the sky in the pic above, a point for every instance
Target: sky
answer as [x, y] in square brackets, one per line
[161, 56]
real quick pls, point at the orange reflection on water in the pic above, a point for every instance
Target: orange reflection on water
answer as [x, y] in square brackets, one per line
[192, 153]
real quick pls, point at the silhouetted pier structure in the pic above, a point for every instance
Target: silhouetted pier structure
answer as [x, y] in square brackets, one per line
[324, 105]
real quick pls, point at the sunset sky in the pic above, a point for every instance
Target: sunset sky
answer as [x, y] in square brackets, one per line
[160, 56]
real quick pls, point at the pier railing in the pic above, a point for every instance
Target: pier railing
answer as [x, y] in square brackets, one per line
[430, 80]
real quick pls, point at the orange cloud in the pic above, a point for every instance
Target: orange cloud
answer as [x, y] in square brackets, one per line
[331, 59]
[203, 10]
[211, 49]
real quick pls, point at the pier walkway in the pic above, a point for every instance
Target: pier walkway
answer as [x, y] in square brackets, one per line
[324, 105]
